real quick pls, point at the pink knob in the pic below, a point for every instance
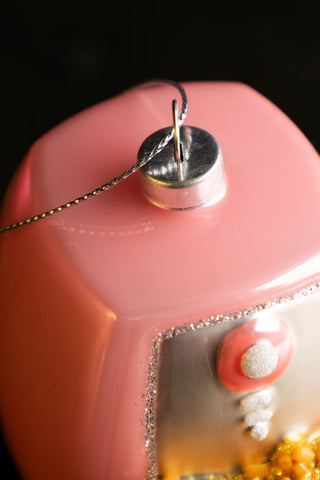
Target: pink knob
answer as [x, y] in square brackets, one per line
[255, 354]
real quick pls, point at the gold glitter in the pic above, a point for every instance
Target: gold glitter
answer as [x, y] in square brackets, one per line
[293, 459]
[303, 454]
[259, 470]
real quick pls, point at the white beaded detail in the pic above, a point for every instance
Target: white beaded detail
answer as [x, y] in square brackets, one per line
[255, 418]
[260, 431]
[256, 401]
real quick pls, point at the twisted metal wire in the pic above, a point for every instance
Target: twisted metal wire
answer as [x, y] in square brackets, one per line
[106, 186]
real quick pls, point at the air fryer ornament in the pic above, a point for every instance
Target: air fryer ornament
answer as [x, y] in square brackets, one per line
[167, 328]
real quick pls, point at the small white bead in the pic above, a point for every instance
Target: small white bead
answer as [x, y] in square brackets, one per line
[259, 432]
[255, 418]
[256, 401]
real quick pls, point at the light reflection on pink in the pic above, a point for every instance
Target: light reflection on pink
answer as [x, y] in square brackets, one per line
[22, 196]
[307, 268]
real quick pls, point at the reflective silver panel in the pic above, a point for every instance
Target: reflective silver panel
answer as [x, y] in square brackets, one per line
[200, 425]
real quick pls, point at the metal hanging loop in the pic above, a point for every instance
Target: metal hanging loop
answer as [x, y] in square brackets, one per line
[176, 131]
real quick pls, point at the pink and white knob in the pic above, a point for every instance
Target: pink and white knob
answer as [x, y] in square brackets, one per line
[255, 354]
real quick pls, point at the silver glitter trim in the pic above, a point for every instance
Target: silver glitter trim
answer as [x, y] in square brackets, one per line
[152, 379]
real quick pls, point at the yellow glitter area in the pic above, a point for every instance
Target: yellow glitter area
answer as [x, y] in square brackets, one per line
[295, 458]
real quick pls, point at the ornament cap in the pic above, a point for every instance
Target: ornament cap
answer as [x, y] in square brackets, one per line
[193, 179]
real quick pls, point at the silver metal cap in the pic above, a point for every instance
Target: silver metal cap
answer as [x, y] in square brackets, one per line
[194, 180]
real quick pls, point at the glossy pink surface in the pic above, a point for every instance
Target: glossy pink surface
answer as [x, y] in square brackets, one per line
[85, 292]
[236, 343]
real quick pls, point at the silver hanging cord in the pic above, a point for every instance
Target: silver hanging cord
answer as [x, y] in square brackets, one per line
[140, 163]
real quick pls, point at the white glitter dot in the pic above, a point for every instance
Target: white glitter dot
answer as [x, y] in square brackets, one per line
[255, 418]
[259, 360]
[256, 401]
[259, 432]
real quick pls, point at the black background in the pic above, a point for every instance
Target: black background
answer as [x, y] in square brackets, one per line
[59, 59]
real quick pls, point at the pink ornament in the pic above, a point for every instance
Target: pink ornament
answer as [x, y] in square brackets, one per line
[89, 295]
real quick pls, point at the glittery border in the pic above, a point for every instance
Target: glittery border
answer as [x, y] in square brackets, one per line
[153, 369]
